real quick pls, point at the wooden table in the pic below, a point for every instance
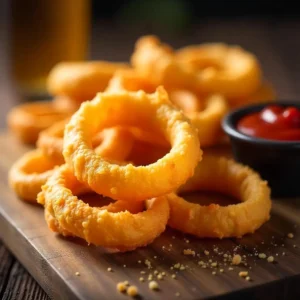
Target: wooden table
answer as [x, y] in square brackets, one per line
[272, 41]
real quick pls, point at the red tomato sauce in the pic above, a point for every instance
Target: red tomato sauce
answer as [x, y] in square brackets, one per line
[274, 123]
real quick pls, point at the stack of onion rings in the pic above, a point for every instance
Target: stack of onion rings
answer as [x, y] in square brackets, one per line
[138, 142]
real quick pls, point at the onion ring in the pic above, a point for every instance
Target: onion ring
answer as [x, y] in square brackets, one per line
[126, 230]
[130, 80]
[113, 143]
[226, 176]
[65, 103]
[27, 120]
[153, 112]
[186, 100]
[29, 173]
[229, 70]
[81, 81]
[97, 200]
[208, 121]
[157, 62]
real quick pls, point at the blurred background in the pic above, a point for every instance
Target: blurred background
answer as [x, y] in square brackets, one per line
[37, 34]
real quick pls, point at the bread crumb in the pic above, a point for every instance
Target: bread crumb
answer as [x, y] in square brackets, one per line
[243, 274]
[270, 259]
[236, 260]
[153, 285]
[189, 252]
[121, 287]
[248, 278]
[132, 291]
[142, 279]
[177, 294]
[290, 235]
[262, 255]
[173, 276]
[206, 252]
[109, 269]
[77, 274]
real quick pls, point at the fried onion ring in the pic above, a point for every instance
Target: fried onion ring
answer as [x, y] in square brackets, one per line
[65, 103]
[156, 62]
[29, 173]
[186, 100]
[81, 81]
[229, 70]
[208, 121]
[27, 120]
[214, 221]
[121, 230]
[113, 143]
[94, 200]
[153, 113]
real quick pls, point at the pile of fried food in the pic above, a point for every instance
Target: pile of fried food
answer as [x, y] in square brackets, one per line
[140, 134]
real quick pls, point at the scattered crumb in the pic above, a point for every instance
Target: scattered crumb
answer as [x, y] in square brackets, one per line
[187, 241]
[124, 266]
[159, 277]
[155, 272]
[214, 264]
[173, 276]
[155, 257]
[243, 274]
[163, 273]
[262, 255]
[148, 263]
[109, 269]
[126, 282]
[230, 269]
[283, 253]
[143, 272]
[153, 285]
[150, 277]
[214, 273]
[270, 259]
[142, 279]
[248, 278]
[290, 235]
[221, 270]
[139, 261]
[77, 274]
[182, 267]
[200, 263]
[121, 287]
[236, 260]
[132, 291]
[177, 294]
[189, 252]
[206, 252]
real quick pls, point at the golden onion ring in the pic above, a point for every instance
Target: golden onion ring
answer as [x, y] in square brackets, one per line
[97, 200]
[208, 121]
[29, 173]
[156, 62]
[126, 230]
[152, 112]
[226, 176]
[228, 70]
[186, 100]
[27, 120]
[81, 81]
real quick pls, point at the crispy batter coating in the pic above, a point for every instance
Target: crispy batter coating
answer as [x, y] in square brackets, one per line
[152, 112]
[81, 81]
[226, 176]
[121, 230]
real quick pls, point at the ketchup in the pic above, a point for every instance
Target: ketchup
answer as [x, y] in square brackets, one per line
[274, 123]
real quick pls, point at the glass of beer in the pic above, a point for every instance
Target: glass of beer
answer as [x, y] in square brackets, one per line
[43, 33]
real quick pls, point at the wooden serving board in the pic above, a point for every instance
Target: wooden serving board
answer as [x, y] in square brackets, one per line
[53, 261]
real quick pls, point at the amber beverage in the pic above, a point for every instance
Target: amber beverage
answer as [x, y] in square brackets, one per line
[43, 33]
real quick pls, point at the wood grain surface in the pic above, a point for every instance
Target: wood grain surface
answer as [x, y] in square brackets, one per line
[53, 261]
